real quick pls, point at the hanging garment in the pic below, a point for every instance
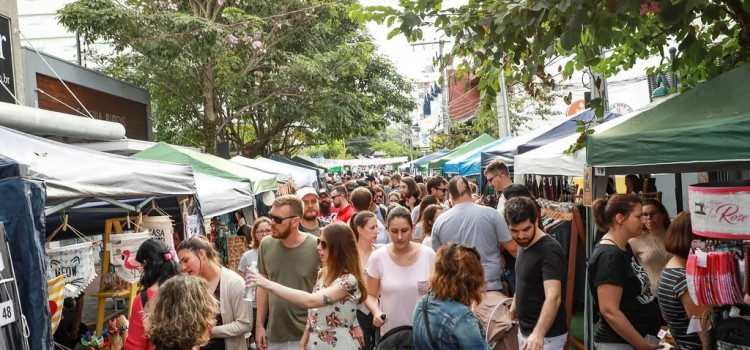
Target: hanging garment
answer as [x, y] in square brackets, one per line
[123, 249]
[56, 292]
[75, 263]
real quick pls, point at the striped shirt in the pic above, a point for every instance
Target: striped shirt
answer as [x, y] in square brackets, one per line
[672, 285]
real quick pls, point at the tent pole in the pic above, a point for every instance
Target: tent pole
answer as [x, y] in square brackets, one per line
[62, 206]
[678, 191]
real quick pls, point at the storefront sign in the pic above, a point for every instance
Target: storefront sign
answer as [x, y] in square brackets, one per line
[721, 210]
[53, 96]
[6, 63]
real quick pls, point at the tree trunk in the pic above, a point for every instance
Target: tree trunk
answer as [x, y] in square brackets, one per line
[209, 108]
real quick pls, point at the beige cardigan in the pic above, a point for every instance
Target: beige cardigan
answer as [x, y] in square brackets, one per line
[236, 313]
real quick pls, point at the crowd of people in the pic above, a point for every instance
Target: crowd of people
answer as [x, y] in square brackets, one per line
[390, 256]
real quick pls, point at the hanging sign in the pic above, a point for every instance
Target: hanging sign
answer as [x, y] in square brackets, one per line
[122, 255]
[720, 210]
[192, 226]
[6, 62]
[7, 313]
[75, 263]
[56, 294]
[160, 228]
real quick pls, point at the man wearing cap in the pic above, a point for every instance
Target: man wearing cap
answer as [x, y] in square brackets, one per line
[371, 182]
[310, 222]
[327, 211]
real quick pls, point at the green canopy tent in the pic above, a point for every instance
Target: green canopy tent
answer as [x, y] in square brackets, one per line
[703, 129]
[436, 165]
[211, 165]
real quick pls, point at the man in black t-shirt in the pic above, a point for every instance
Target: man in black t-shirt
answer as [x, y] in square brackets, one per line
[540, 270]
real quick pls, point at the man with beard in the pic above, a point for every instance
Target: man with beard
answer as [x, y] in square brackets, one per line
[540, 270]
[341, 202]
[438, 187]
[327, 211]
[290, 258]
[310, 222]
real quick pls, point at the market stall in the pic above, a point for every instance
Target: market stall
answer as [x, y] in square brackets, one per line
[436, 165]
[411, 167]
[704, 129]
[46, 178]
[455, 165]
[568, 127]
[301, 176]
[507, 151]
[211, 165]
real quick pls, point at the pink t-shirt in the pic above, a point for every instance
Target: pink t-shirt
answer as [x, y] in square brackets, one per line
[400, 287]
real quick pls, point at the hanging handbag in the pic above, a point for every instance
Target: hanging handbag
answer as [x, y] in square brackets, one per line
[434, 344]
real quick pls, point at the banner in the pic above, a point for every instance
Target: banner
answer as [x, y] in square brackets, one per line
[75, 263]
[55, 289]
[123, 249]
[160, 227]
[720, 210]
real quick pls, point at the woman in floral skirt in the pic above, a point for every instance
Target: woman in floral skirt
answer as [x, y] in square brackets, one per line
[335, 297]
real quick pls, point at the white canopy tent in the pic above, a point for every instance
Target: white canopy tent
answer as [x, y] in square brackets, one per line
[72, 172]
[218, 195]
[550, 159]
[301, 176]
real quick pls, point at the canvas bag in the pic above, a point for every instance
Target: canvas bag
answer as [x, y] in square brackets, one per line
[494, 315]
[75, 263]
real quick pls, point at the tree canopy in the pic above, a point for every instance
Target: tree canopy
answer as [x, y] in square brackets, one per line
[599, 36]
[268, 76]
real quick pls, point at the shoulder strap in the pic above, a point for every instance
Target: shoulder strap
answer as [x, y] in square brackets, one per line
[427, 323]
[144, 298]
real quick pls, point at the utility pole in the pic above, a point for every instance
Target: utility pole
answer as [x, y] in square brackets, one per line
[444, 85]
[503, 111]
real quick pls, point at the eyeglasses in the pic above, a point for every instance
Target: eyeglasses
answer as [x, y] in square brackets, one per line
[492, 178]
[278, 219]
[443, 189]
[268, 230]
[378, 196]
[650, 214]
[322, 243]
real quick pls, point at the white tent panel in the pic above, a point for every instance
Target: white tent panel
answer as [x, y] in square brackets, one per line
[301, 176]
[218, 195]
[550, 159]
[75, 172]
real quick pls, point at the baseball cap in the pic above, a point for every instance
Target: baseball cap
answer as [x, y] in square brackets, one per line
[370, 178]
[304, 191]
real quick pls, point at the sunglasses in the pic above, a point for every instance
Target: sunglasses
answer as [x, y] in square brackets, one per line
[322, 243]
[278, 219]
[457, 246]
[441, 189]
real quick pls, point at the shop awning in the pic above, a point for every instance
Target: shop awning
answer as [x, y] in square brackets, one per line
[506, 151]
[423, 159]
[437, 164]
[74, 172]
[702, 129]
[211, 165]
[550, 159]
[565, 128]
[302, 176]
[471, 164]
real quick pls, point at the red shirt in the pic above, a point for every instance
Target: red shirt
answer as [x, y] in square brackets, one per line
[136, 333]
[345, 214]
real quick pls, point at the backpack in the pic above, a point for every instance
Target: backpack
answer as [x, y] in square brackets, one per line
[399, 338]
[494, 315]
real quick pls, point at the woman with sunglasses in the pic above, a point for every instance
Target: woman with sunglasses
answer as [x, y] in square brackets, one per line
[339, 289]
[198, 257]
[443, 318]
[399, 273]
[648, 248]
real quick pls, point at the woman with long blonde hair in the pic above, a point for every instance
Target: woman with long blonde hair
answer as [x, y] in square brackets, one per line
[339, 289]
[181, 315]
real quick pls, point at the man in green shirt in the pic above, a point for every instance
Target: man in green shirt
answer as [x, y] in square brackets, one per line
[290, 258]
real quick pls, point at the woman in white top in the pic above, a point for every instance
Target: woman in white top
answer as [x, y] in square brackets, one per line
[399, 272]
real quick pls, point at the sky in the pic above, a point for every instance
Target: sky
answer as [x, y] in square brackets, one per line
[629, 87]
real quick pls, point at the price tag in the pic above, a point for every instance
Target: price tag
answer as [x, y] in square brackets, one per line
[7, 314]
[702, 258]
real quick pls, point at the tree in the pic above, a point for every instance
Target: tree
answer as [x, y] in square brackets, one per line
[523, 38]
[268, 76]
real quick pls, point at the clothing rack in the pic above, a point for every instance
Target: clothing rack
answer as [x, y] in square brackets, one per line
[568, 212]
